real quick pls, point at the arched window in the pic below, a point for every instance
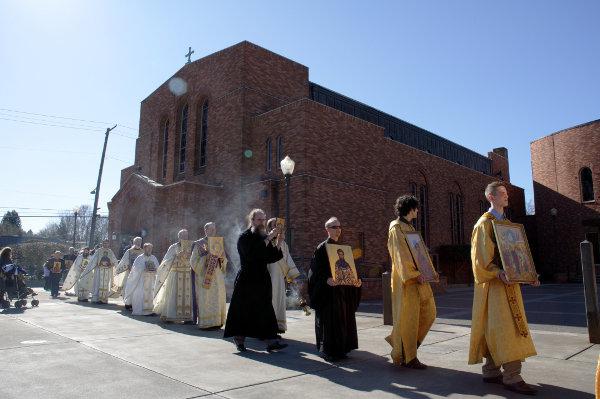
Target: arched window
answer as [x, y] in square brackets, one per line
[279, 151]
[421, 223]
[183, 127]
[587, 184]
[165, 148]
[456, 218]
[201, 136]
[268, 155]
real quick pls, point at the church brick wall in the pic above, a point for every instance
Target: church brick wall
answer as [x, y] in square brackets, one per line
[345, 167]
[556, 162]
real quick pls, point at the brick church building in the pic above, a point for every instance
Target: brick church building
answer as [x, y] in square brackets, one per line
[212, 154]
[566, 177]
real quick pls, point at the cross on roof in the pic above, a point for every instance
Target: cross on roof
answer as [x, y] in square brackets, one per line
[189, 55]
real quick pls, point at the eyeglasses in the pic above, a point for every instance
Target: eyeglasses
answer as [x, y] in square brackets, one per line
[334, 227]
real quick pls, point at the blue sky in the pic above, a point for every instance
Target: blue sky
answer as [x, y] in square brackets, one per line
[481, 73]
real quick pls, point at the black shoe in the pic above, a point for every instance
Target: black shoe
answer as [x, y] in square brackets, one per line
[128, 307]
[521, 387]
[278, 336]
[332, 358]
[493, 380]
[151, 314]
[275, 346]
[415, 364]
[83, 300]
[241, 347]
[188, 322]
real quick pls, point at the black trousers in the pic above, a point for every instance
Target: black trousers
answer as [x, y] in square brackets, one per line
[54, 283]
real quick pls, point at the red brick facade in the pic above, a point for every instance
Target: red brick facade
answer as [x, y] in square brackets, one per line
[562, 217]
[345, 166]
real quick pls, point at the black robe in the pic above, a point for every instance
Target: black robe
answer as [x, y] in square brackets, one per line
[251, 311]
[335, 307]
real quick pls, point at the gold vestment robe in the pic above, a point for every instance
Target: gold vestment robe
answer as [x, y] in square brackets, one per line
[413, 306]
[497, 330]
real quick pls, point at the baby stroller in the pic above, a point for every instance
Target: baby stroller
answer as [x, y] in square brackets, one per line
[13, 287]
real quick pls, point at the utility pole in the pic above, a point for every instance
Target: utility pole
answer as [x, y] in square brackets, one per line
[95, 209]
[75, 227]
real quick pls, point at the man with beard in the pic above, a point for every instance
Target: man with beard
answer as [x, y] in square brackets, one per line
[335, 302]
[208, 282]
[173, 287]
[82, 286]
[280, 271]
[251, 311]
[102, 264]
[123, 269]
[139, 290]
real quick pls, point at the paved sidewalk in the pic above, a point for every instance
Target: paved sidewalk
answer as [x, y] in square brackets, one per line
[68, 350]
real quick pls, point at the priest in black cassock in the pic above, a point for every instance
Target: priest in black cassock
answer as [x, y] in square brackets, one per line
[251, 311]
[335, 305]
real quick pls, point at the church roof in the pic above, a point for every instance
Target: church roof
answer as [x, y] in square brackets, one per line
[402, 131]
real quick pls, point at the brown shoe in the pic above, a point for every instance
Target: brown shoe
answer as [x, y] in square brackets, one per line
[493, 380]
[521, 387]
[415, 364]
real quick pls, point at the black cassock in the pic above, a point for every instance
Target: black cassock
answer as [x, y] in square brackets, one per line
[251, 311]
[335, 307]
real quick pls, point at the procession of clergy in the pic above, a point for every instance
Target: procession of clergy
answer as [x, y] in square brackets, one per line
[188, 286]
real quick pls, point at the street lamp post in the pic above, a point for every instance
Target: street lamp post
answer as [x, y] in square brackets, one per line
[287, 167]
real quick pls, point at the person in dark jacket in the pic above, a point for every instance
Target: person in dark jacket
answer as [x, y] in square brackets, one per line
[251, 311]
[335, 302]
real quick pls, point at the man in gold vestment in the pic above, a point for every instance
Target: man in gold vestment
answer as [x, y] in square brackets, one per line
[413, 306]
[173, 287]
[499, 330]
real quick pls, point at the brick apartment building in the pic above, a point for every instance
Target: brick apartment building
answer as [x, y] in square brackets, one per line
[213, 153]
[566, 178]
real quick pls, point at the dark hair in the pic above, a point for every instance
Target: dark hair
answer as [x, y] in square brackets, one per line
[405, 204]
[5, 254]
[340, 250]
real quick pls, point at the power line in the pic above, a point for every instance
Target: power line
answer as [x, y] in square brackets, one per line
[51, 123]
[63, 117]
[58, 216]
[83, 128]
[63, 151]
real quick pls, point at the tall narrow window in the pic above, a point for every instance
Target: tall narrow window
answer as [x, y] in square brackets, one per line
[587, 185]
[201, 136]
[279, 151]
[424, 213]
[421, 221]
[456, 218]
[165, 146]
[183, 127]
[269, 156]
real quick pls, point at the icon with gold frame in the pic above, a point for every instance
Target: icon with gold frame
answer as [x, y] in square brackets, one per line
[216, 246]
[515, 253]
[341, 262]
[420, 255]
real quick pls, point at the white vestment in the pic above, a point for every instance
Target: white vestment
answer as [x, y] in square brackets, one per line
[122, 272]
[102, 263]
[139, 289]
[173, 288]
[282, 270]
[82, 287]
[209, 283]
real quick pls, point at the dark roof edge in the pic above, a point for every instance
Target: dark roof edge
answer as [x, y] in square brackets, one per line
[402, 120]
[567, 129]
